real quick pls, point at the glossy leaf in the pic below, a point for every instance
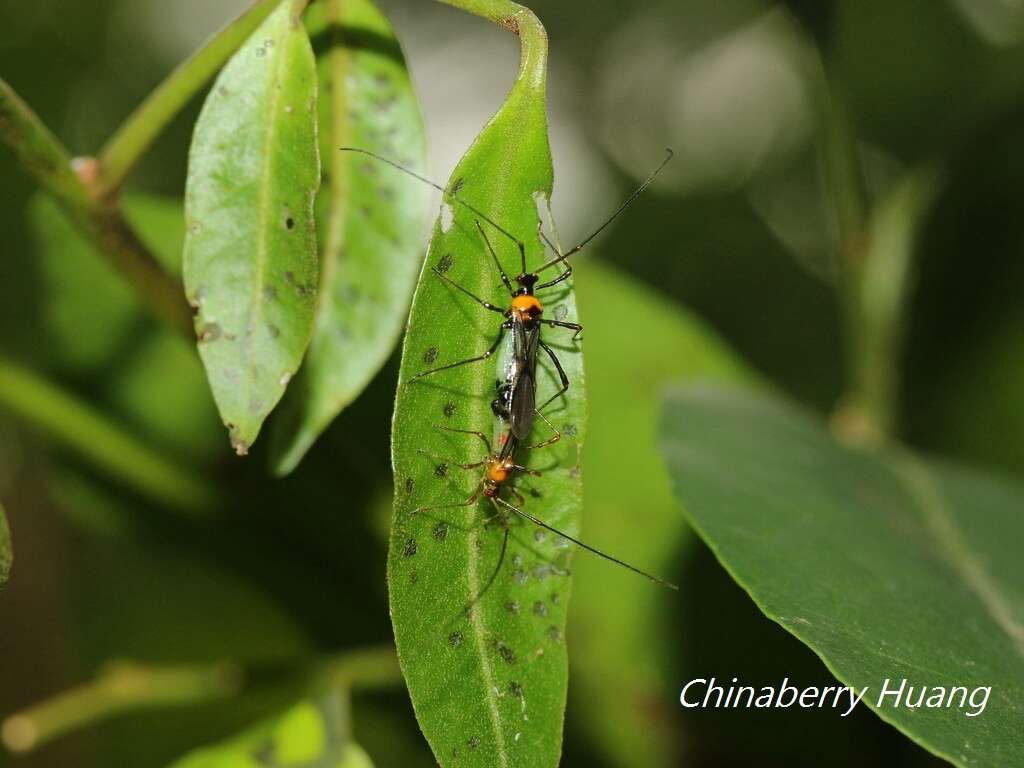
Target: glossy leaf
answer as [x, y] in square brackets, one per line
[370, 218]
[488, 685]
[308, 734]
[866, 557]
[620, 639]
[250, 248]
[6, 554]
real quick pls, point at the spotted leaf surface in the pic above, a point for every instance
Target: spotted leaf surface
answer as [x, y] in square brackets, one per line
[488, 684]
[309, 735]
[370, 218]
[250, 261]
[887, 566]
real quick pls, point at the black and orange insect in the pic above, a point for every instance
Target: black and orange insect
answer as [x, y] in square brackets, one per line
[499, 469]
[516, 381]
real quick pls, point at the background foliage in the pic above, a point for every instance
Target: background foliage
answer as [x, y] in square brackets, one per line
[738, 232]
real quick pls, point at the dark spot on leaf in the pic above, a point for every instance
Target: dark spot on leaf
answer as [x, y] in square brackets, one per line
[554, 634]
[289, 223]
[519, 575]
[536, 494]
[441, 470]
[410, 548]
[539, 609]
[455, 639]
[441, 531]
[555, 598]
[449, 409]
[574, 471]
[473, 742]
[223, 91]
[269, 292]
[409, 484]
[570, 430]
[445, 263]
[209, 332]
[261, 51]
[289, 277]
[516, 689]
[273, 330]
[512, 606]
[414, 577]
[430, 355]
[506, 653]
[539, 535]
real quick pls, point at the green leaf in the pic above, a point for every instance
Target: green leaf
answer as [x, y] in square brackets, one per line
[620, 640]
[250, 247]
[868, 558]
[370, 218]
[6, 554]
[309, 734]
[488, 686]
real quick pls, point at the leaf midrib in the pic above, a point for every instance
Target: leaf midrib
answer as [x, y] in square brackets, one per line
[263, 227]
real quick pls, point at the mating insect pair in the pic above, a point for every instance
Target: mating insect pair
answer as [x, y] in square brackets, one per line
[516, 380]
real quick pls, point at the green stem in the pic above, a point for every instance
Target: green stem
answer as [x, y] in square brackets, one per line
[48, 161]
[128, 686]
[521, 21]
[121, 687]
[107, 446]
[138, 132]
[875, 265]
[360, 669]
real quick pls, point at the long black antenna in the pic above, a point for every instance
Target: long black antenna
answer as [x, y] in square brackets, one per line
[577, 542]
[445, 192]
[636, 193]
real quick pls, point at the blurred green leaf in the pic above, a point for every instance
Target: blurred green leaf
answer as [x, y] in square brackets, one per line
[867, 557]
[370, 218]
[307, 735]
[488, 685]
[621, 640]
[89, 312]
[6, 554]
[250, 247]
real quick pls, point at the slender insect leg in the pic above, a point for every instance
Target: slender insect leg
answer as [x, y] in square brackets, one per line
[504, 277]
[553, 439]
[467, 503]
[562, 324]
[561, 375]
[495, 572]
[520, 499]
[562, 277]
[449, 461]
[537, 521]
[478, 358]
[479, 434]
[477, 299]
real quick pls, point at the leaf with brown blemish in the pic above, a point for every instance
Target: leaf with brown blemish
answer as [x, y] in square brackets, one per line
[250, 260]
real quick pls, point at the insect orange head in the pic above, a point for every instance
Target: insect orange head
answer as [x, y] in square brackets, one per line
[527, 307]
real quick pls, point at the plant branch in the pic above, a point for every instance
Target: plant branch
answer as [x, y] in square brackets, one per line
[521, 21]
[43, 156]
[138, 132]
[122, 686]
[88, 433]
[876, 243]
[128, 686]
